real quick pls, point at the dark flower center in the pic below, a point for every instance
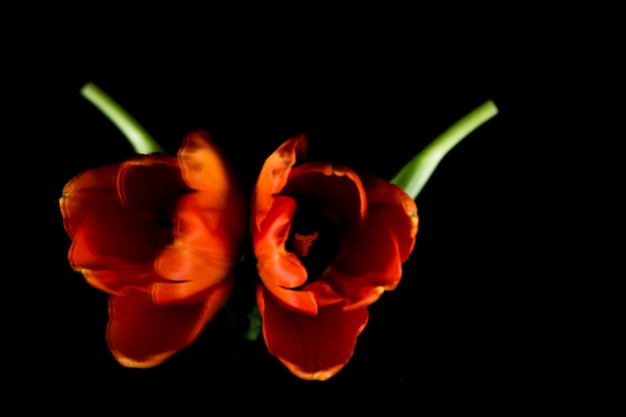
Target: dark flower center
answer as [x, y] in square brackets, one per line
[313, 237]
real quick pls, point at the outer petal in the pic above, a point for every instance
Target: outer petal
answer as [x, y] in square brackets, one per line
[373, 262]
[311, 347]
[142, 334]
[273, 177]
[400, 208]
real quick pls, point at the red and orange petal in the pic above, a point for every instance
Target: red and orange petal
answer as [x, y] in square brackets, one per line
[284, 268]
[142, 335]
[273, 177]
[204, 168]
[311, 347]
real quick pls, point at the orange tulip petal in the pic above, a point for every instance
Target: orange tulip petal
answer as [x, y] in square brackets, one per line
[283, 267]
[142, 334]
[273, 177]
[201, 242]
[311, 347]
[204, 167]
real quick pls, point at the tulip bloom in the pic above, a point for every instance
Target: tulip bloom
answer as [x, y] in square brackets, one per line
[328, 243]
[161, 234]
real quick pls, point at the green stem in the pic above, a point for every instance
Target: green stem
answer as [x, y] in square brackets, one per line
[139, 138]
[414, 175]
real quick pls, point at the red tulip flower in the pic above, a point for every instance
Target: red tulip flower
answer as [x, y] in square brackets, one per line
[161, 234]
[328, 243]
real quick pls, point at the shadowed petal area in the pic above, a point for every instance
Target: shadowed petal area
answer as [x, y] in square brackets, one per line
[338, 188]
[114, 232]
[311, 347]
[374, 252]
[142, 334]
[151, 184]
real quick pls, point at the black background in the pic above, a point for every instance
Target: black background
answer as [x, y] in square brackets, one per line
[470, 324]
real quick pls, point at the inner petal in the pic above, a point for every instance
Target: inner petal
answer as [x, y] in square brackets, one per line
[314, 236]
[338, 190]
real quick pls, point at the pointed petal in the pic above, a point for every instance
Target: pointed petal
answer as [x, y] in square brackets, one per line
[142, 334]
[311, 347]
[273, 177]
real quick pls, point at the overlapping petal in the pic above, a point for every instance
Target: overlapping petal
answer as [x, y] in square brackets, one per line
[162, 235]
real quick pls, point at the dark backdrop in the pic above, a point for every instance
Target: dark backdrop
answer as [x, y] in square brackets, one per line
[462, 326]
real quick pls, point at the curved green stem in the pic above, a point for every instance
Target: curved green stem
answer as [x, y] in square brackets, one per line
[414, 175]
[139, 138]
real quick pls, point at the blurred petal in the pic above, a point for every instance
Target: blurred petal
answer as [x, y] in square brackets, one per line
[150, 183]
[202, 243]
[86, 193]
[214, 217]
[114, 233]
[142, 334]
[311, 347]
[205, 168]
